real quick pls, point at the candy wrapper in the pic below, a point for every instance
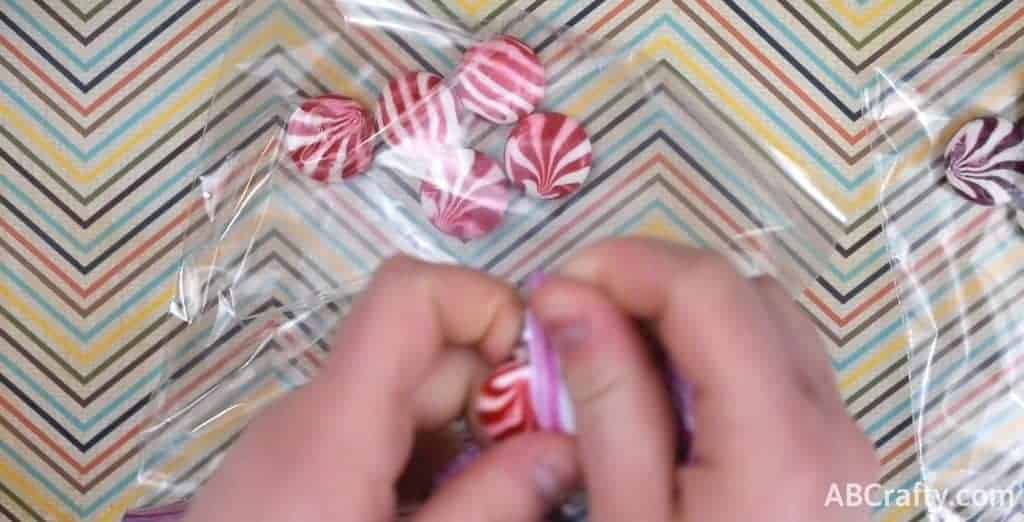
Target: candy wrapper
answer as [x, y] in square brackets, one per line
[345, 132]
[950, 161]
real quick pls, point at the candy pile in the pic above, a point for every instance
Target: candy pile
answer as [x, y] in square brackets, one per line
[985, 163]
[464, 193]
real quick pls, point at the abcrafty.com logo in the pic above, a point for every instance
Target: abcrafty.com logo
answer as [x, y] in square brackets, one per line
[877, 496]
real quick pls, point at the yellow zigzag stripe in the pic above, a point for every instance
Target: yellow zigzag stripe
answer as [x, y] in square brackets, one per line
[270, 34]
[971, 289]
[81, 356]
[804, 174]
[879, 12]
[210, 438]
[1010, 432]
[20, 484]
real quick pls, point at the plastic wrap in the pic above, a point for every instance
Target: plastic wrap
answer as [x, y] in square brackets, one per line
[274, 256]
[956, 253]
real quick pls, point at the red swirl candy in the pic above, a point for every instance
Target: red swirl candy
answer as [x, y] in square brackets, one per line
[419, 110]
[328, 138]
[465, 193]
[503, 407]
[500, 80]
[548, 154]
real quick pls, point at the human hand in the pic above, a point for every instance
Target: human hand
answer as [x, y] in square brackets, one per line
[770, 431]
[406, 361]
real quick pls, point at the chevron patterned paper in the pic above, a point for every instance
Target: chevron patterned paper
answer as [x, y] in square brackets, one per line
[102, 109]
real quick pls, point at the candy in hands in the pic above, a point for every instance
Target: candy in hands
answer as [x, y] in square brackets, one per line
[548, 154]
[529, 393]
[525, 394]
[328, 138]
[500, 80]
[417, 111]
[985, 162]
[504, 406]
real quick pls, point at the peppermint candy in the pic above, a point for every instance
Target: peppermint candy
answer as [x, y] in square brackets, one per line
[418, 111]
[465, 193]
[985, 162]
[328, 138]
[503, 406]
[548, 155]
[500, 80]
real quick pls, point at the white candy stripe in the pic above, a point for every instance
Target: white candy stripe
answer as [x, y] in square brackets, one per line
[520, 160]
[449, 114]
[576, 153]
[508, 95]
[492, 104]
[509, 378]
[506, 423]
[555, 149]
[513, 74]
[492, 403]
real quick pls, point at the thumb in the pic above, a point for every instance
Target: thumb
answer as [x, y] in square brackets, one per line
[517, 480]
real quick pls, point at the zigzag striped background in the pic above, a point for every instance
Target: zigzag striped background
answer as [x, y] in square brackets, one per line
[103, 105]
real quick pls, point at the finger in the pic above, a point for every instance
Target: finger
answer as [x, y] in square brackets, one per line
[394, 345]
[518, 480]
[807, 350]
[624, 424]
[719, 333]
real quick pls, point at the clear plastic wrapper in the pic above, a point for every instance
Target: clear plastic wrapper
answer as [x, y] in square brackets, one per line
[278, 244]
[952, 230]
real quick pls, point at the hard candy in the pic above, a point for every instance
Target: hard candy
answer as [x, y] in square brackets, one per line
[328, 138]
[548, 155]
[985, 162]
[417, 112]
[465, 193]
[500, 80]
[503, 406]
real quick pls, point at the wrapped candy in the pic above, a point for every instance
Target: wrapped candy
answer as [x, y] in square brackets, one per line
[328, 138]
[417, 111]
[500, 80]
[548, 154]
[465, 193]
[985, 162]
[529, 393]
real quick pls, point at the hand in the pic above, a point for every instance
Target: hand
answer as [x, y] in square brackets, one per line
[405, 361]
[770, 431]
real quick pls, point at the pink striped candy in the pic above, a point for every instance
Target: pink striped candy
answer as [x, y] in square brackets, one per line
[465, 193]
[419, 111]
[500, 80]
[328, 138]
[548, 155]
[503, 406]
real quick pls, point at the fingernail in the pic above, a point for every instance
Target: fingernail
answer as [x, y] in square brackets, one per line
[552, 477]
[567, 337]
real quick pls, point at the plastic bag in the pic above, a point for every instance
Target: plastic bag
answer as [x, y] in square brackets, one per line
[957, 270]
[274, 257]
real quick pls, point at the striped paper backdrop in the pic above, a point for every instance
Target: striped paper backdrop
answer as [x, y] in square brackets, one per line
[101, 111]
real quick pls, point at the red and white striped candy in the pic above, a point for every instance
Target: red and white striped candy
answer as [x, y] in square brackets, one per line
[328, 138]
[465, 193]
[500, 80]
[418, 110]
[548, 154]
[503, 406]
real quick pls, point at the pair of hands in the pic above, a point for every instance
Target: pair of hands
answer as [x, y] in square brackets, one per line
[770, 431]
